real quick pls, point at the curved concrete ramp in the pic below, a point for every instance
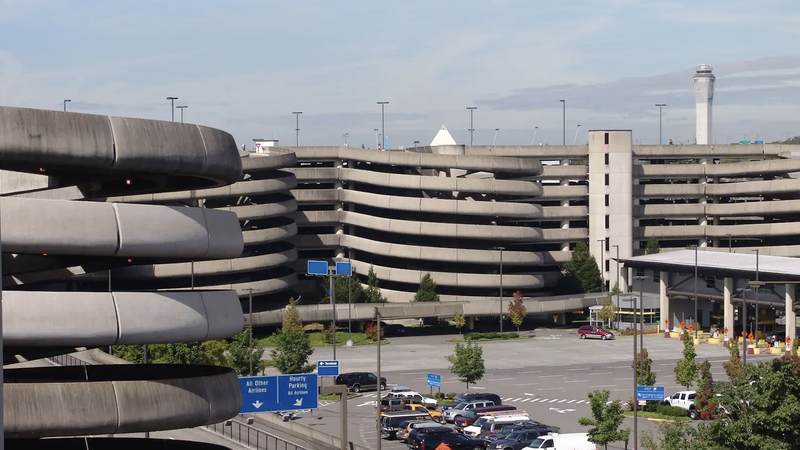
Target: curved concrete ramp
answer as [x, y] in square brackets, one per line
[93, 443]
[88, 400]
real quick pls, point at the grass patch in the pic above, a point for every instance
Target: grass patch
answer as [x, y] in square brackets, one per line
[335, 397]
[318, 339]
[484, 337]
[655, 415]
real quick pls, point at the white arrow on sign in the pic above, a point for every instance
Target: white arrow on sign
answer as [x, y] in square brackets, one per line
[561, 411]
[298, 402]
[257, 404]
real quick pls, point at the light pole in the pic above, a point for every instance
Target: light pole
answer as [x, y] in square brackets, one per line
[501, 287]
[602, 266]
[345, 135]
[378, 319]
[349, 307]
[756, 316]
[619, 285]
[495, 136]
[564, 121]
[696, 322]
[575, 139]
[471, 127]
[65, 104]
[383, 125]
[377, 143]
[416, 144]
[636, 370]
[660, 106]
[250, 322]
[297, 127]
[535, 129]
[182, 107]
[172, 108]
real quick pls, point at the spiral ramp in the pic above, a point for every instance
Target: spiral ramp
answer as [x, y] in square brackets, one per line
[60, 236]
[263, 203]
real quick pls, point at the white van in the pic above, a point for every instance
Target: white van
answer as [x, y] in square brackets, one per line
[566, 441]
[483, 428]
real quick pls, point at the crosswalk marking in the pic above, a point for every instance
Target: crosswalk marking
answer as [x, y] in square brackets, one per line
[517, 399]
[553, 400]
[562, 401]
[570, 401]
[525, 399]
[507, 399]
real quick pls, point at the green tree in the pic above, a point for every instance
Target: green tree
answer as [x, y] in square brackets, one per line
[345, 289]
[672, 435]
[467, 363]
[214, 352]
[131, 353]
[581, 273]
[606, 419]
[686, 369]
[733, 368]
[705, 401]
[608, 312]
[293, 346]
[427, 290]
[644, 375]
[517, 310]
[460, 321]
[652, 247]
[373, 292]
[239, 354]
[615, 290]
[180, 353]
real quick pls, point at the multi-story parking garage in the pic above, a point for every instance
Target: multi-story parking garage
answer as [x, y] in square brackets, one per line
[59, 236]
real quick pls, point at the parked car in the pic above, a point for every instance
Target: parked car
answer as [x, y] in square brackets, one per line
[359, 381]
[494, 425]
[517, 440]
[503, 430]
[390, 329]
[778, 336]
[685, 400]
[467, 397]
[417, 435]
[406, 426]
[435, 415]
[571, 441]
[453, 414]
[472, 415]
[454, 441]
[406, 392]
[594, 332]
[390, 422]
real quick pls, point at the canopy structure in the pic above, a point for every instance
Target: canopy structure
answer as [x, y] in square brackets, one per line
[443, 137]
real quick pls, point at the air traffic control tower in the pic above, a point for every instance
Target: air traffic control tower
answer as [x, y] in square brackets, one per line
[704, 82]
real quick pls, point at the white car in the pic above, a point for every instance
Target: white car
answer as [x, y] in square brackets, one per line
[685, 400]
[407, 392]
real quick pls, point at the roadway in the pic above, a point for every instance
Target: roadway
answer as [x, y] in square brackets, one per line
[549, 376]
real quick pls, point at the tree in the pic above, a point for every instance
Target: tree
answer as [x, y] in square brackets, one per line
[131, 353]
[466, 362]
[581, 273]
[239, 354]
[427, 290]
[705, 401]
[460, 321]
[672, 435]
[293, 346]
[608, 312]
[180, 353]
[373, 292]
[517, 310]
[645, 376]
[215, 352]
[733, 368]
[606, 419]
[346, 288]
[372, 331]
[652, 247]
[686, 369]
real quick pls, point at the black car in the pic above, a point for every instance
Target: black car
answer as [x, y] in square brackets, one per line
[468, 397]
[456, 441]
[517, 440]
[417, 435]
[360, 381]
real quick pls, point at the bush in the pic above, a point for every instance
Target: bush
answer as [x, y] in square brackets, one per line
[491, 335]
[665, 410]
[372, 332]
[444, 396]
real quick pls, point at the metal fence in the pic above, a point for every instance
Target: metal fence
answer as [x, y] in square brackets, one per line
[245, 434]
[67, 360]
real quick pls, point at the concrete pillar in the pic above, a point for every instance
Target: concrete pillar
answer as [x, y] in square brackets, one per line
[703, 201]
[791, 318]
[565, 203]
[470, 323]
[727, 307]
[663, 300]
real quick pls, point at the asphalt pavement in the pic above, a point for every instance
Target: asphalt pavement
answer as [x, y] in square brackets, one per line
[549, 376]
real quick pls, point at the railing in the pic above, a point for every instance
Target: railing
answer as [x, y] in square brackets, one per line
[67, 360]
[245, 434]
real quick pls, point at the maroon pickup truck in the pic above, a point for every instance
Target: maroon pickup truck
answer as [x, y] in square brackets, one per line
[469, 417]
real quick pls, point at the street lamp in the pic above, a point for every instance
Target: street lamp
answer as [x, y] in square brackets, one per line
[619, 285]
[756, 317]
[377, 143]
[297, 127]
[575, 139]
[345, 135]
[471, 127]
[695, 291]
[182, 107]
[730, 249]
[495, 136]
[535, 129]
[501, 287]
[172, 99]
[65, 104]
[564, 121]
[637, 371]
[660, 106]
[602, 266]
[383, 125]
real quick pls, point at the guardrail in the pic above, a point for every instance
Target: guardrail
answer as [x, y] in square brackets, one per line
[244, 434]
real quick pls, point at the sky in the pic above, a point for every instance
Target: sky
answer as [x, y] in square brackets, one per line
[245, 65]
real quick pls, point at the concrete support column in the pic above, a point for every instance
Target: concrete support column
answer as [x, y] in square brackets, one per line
[727, 307]
[663, 300]
[702, 242]
[564, 203]
[470, 323]
[791, 318]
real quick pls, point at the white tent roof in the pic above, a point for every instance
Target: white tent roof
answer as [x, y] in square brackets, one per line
[443, 137]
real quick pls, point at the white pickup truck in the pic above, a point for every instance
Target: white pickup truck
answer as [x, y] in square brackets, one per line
[685, 400]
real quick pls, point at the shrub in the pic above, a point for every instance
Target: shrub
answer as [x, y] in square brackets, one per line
[372, 332]
[327, 335]
[491, 335]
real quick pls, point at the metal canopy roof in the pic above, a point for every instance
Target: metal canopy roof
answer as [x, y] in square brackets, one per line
[735, 265]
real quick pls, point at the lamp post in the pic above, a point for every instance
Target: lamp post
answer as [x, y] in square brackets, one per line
[535, 129]
[350, 307]
[564, 121]
[172, 108]
[250, 322]
[660, 106]
[416, 144]
[378, 409]
[619, 285]
[297, 127]
[345, 136]
[65, 104]
[602, 266]
[501, 287]
[695, 292]
[471, 127]
[636, 370]
[377, 142]
[495, 136]
[575, 139]
[756, 316]
[182, 107]
[383, 125]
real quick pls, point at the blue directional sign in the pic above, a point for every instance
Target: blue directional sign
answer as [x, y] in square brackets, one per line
[328, 368]
[344, 268]
[650, 393]
[434, 380]
[758, 142]
[317, 268]
[279, 393]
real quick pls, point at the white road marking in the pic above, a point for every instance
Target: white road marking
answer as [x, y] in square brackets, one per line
[601, 373]
[499, 379]
[578, 381]
[517, 399]
[477, 387]
[562, 401]
[551, 376]
[525, 399]
[553, 400]
[623, 379]
[603, 385]
[570, 401]
[525, 384]
[507, 399]
[552, 389]
[530, 371]
[575, 370]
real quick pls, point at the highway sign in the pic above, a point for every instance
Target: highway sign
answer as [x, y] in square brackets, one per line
[279, 393]
[744, 142]
[434, 380]
[317, 268]
[344, 268]
[650, 393]
[758, 142]
[328, 368]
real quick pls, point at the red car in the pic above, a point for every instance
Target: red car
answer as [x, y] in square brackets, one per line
[591, 331]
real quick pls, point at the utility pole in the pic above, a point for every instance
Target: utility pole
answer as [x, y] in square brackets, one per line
[378, 409]
[619, 285]
[297, 127]
[182, 107]
[65, 104]
[471, 126]
[660, 106]
[172, 99]
[383, 132]
[564, 121]
[250, 322]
